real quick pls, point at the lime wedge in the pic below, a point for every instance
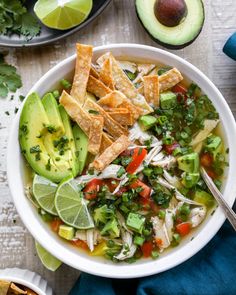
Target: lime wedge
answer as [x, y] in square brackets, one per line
[44, 192]
[71, 206]
[49, 261]
[62, 14]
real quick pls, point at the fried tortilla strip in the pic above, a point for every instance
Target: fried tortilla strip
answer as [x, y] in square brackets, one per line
[16, 290]
[105, 143]
[94, 73]
[110, 125]
[170, 79]
[4, 286]
[151, 89]
[141, 89]
[116, 99]
[111, 153]
[95, 134]
[106, 74]
[122, 115]
[76, 112]
[97, 87]
[82, 70]
[144, 70]
[124, 85]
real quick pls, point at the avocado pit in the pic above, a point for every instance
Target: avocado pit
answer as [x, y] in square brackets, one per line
[170, 13]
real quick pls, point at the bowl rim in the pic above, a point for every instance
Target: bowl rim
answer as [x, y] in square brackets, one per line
[131, 270]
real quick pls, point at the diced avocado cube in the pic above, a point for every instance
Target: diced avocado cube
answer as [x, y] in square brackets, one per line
[168, 100]
[204, 198]
[190, 179]
[189, 163]
[111, 229]
[213, 144]
[138, 240]
[66, 232]
[147, 121]
[135, 222]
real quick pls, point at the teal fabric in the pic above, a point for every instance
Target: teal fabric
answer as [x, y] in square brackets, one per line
[210, 272]
[230, 47]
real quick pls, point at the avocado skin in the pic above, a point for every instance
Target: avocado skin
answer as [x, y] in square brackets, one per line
[166, 45]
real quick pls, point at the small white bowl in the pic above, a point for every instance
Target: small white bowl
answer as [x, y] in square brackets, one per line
[99, 266]
[26, 278]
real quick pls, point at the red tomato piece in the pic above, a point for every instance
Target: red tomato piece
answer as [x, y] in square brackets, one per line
[181, 91]
[137, 159]
[147, 249]
[146, 190]
[169, 148]
[91, 189]
[211, 173]
[111, 184]
[80, 244]
[206, 160]
[121, 191]
[183, 228]
[55, 224]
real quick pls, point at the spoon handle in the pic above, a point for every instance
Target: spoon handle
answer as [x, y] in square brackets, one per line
[229, 213]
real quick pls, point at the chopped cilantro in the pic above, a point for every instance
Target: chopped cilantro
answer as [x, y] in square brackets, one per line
[7, 113]
[48, 165]
[121, 172]
[93, 112]
[9, 79]
[15, 19]
[51, 128]
[35, 149]
[24, 129]
[21, 97]
[16, 110]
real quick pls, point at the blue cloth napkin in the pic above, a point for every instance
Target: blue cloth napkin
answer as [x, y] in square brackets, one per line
[230, 47]
[210, 272]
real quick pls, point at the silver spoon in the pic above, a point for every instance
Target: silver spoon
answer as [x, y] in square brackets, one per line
[229, 213]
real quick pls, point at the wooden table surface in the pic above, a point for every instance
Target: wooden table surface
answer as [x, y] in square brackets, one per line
[117, 24]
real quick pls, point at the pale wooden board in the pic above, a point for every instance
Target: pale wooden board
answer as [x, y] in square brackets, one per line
[117, 24]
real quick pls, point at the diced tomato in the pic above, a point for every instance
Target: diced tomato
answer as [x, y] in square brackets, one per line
[91, 189]
[111, 184]
[169, 148]
[147, 248]
[55, 224]
[206, 160]
[80, 244]
[159, 242]
[146, 190]
[181, 90]
[137, 159]
[211, 173]
[183, 228]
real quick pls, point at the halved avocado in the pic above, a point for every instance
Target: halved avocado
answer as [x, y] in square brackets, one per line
[32, 129]
[172, 23]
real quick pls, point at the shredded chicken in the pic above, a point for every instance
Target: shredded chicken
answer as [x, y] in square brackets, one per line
[197, 215]
[129, 248]
[160, 232]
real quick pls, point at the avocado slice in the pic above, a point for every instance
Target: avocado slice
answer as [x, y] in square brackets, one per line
[55, 140]
[189, 163]
[147, 121]
[190, 179]
[81, 144]
[168, 100]
[32, 127]
[74, 160]
[189, 20]
[51, 107]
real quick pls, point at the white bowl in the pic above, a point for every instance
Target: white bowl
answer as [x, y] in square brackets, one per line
[26, 278]
[99, 266]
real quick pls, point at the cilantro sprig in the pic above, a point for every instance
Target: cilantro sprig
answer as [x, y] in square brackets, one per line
[15, 19]
[9, 79]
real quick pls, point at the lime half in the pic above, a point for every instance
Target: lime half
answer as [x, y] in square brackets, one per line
[49, 261]
[44, 192]
[62, 14]
[71, 206]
